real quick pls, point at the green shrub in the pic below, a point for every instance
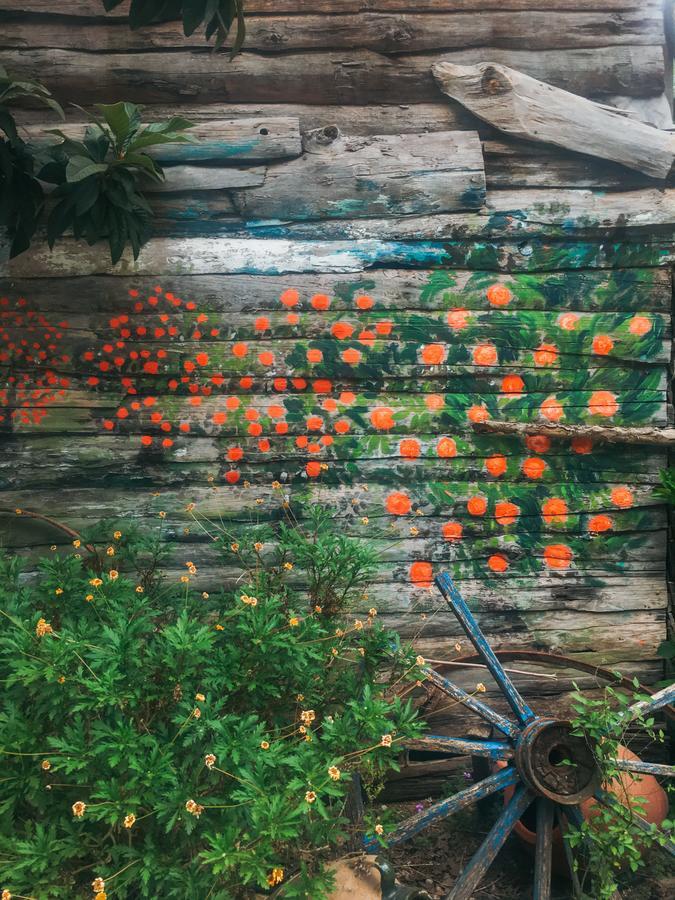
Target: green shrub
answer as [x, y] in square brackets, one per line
[161, 742]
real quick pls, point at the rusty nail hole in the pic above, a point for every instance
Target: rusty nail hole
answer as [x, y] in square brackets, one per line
[264, 131]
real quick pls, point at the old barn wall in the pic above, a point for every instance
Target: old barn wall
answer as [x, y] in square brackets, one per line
[350, 271]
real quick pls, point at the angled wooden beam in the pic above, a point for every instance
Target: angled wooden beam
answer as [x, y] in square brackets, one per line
[524, 107]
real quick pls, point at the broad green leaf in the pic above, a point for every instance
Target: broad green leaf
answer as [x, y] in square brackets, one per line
[81, 167]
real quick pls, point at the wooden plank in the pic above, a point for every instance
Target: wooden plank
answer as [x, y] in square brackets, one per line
[182, 256]
[343, 177]
[206, 178]
[626, 289]
[388, 32]
[524, 107]
[220, 140]
[349, 77]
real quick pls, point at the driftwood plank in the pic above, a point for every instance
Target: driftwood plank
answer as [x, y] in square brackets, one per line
[206, 178]
[346, 177]
[383, 31]
[526, 108]
[349, 77]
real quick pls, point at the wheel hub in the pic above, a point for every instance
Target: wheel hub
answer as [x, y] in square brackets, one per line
[541, 754]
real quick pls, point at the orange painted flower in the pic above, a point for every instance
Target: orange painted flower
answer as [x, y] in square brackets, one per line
[382, 418]
[498, 563]
[568, 321]
[452, 531]
[364, 302]
[513, 385]
[234, 454]
[558, 556]
[398, 504]
[320, 301]
[485, 355]
[602, 344]
[266, 358]
[342, 426]
[290, 297]
[315, 423]
[506, 513]
[422, 574]
[600, 523]
[351, 355]
[533, 467]
[496, 465]
[582, 445]
[433, 354]
[409, 448]
[342, 330]
[446, 448]
[434, 401]
[551, 409]
[538, 443]
[477, 413]
[545, 355]
[384, 328]
[219, 418]
[622, 497]
[499, 295]
[457, 318]
[314, 355]
[313, 469]
[202, 359]
[554, 510]
[262, 323]
[477, 506]
[640, 325]
[603, 403]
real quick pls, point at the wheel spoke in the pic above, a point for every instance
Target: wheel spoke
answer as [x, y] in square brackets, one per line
[458, 605]
[656, 701]
[543, 857]
[461, 746]
[482, 859]
[412, 826]
[609, 800]
[569, 856]
[644, 768]
[485, 712]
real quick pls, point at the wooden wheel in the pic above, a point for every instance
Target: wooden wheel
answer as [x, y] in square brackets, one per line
[529, 750]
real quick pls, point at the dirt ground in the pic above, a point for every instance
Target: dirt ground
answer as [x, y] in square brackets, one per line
[434, 859]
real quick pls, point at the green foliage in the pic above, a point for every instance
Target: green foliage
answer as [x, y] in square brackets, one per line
[21, 194]
[666, 490]
[216, 16]
[609, 839]
[99, 178]
[176, 744]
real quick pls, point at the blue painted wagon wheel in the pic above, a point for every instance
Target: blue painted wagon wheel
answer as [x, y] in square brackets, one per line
[531, 748]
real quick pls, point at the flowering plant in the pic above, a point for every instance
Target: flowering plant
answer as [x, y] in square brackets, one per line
[158, 740]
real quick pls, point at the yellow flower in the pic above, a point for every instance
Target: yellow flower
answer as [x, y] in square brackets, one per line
[205, 596]
[372, 612]
[192, 570]
[334, 651]
[185, 579]
[139, 588]
[129, 820]
[200, 697]
[77, 543]
[18, 511]
[362, 651]
[308, 738]
[318, 609]
[339, 633]
[310, 796]
[6, 895]
[307, 716]
[61, 679]
[276, 485]
[53, 547]
[385, 740]
[288, 566]
[480, 687]
[414, 531]
[365, 520]
[79, 808]
[264, 745]
[110, 551]
[43, 627]
[162, 514]
[101, 896]
[379, 829]
[117, 535]
[95, 582]
[197, 713]
[234, 547]
[247, 484]
[89, 597]
[58, 591]
[219, 627]
[195, 809]
[358, 624]
[259, 501]
[334, 773]
[299, 697]
[276, 876]
[294, 621]
[98, 884]
[189, 507]
[45, 765]
[113, 574]
[209, 760]
[258, 546]
[458, 646]
[420, 661]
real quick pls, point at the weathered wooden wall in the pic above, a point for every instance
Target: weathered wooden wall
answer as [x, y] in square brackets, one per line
[349, 271]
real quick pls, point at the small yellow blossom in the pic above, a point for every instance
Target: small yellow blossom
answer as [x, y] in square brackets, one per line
[53, 547]
[113, 574]
[77, 543]
[209, 760]
[358, 624]
[307, 716]
[379, 829]
[162, 514]
[318, 609]
[58, 591]
[247, 484]
[89, 597]
[45, 765]
[420, 661]
[189, 507]
[195, 809]
[117, 535]
[200, 697]
[365, 520]
[288, 566]
[362, 651]
[18, 511]
[276, 485]
[98, 884]
[219, 627]
[302, 729]
[95, 582]
[249, 601]
[139, 588]
[310, 796]
[258, 546]
[79, 808]
[385, 740]
[480, 687]
[6, 895]
[259, 501]
[414, 531]
[234, 547]
[276, 876]
[372, 612]
[339, 633]
[299, 697]
[61, 679]
[185, 579]
[197, 713]
[334, 773]
[308, 738]
[43, 627]
[458, 646]
[264, 745]
[110, 551]
[334, 651]
[205, 596]
[101, 896]
[129, 820]
[294, 621]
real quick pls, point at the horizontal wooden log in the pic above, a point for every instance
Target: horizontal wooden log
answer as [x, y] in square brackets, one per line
[206, 178]
[349, 77]
[219, 140]
[342, 177]
[625, 289]
[388, 32]
[180, 256]
[524, 107]
[657, 437]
